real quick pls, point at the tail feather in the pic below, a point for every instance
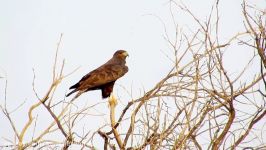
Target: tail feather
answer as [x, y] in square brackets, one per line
[71, 92]
[74, 86]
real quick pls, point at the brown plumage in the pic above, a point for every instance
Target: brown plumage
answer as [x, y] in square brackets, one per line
[104, 77]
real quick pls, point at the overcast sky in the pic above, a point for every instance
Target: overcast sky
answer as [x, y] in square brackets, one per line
[92, 32]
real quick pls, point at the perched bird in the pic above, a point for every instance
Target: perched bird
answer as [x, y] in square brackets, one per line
[104, 77]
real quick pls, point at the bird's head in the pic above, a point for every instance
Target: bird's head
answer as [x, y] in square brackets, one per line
[121, 54]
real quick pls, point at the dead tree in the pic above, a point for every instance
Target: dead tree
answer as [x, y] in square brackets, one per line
[199, 104]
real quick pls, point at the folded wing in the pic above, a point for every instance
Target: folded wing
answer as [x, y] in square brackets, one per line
[102, 78]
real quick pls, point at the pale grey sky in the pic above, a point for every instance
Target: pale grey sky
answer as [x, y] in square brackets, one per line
[92, 32]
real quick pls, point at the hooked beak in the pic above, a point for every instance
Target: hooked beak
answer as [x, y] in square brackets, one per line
[125, 54]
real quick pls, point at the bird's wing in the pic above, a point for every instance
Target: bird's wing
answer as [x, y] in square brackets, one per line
[102, 75]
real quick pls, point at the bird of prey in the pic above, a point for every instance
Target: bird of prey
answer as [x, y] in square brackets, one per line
[104, 77]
